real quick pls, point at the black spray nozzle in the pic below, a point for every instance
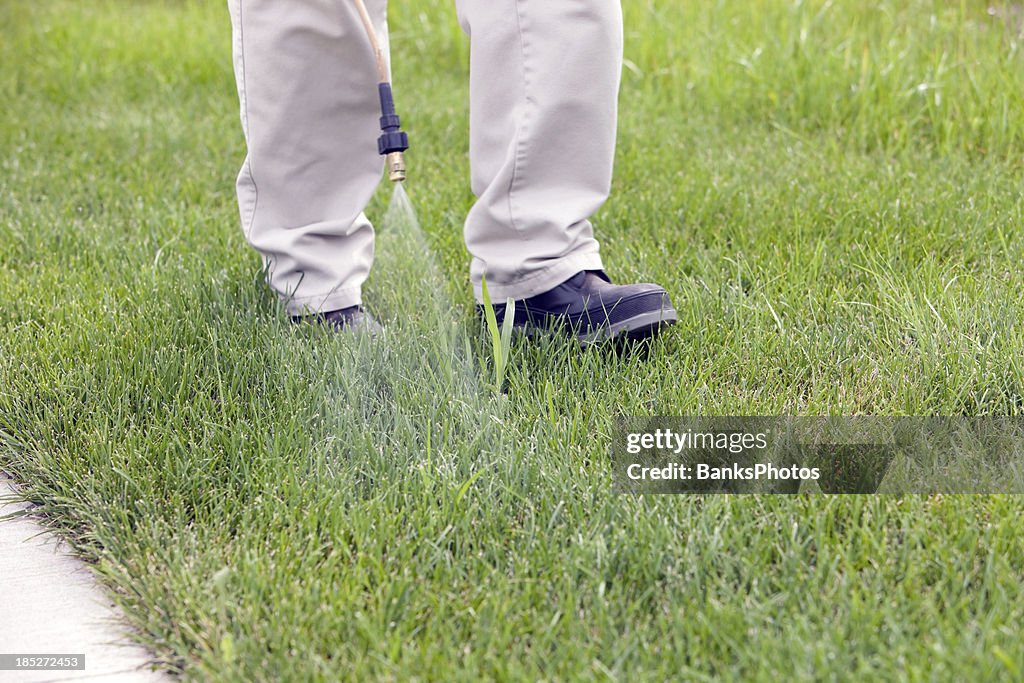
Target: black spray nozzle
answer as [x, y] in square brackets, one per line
[392, 138]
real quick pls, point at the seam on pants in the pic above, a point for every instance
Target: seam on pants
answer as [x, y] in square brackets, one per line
[334, 291]
[566, 267]
[521, 133]
[559, 263]
[247, 229]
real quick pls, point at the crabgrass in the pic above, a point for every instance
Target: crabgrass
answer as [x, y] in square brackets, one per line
[831, 193]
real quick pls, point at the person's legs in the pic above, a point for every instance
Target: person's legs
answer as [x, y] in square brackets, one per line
[308, 95]
[544, 95]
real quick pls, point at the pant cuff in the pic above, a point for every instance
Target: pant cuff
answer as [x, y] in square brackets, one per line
[322, 303]
[542, 280]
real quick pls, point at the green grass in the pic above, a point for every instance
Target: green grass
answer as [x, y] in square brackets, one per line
[830, 191]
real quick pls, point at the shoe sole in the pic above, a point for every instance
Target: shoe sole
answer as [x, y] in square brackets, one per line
[637, 328]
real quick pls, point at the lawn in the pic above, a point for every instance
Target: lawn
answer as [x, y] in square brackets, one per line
[831, 192]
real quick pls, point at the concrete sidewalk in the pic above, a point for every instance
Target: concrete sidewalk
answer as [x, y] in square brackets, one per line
[50, 604]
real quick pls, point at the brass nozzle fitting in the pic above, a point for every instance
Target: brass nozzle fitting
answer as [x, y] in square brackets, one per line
[396, 167]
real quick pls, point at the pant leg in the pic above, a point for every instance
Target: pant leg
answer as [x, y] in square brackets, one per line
[544, 89]
[307, 88]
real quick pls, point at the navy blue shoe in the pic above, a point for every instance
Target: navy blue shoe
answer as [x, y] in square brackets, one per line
[352, 319]
[589, 306]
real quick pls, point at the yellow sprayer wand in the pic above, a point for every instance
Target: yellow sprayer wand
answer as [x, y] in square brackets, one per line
[393, 141]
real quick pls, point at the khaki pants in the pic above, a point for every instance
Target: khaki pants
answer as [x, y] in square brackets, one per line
[543, 101]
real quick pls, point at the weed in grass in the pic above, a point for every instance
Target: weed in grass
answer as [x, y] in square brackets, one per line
[501, 338]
